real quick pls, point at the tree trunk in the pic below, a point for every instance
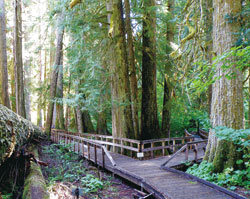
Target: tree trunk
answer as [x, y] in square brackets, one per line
[87, 123]
[132, 70]
[39, 105]
[208, 17]
[149, 120]
[12, 87]
[19, 77]
[249, 99]
[59, 94]
[166, 112]
[227, 98]
[16, 131]
[79, 120]
[27, 82]
[122, 124]
[3, 56]
[54, 77]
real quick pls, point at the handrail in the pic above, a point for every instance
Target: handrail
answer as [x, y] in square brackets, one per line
[87, 141]
[175, 154]
[146, 147]
[185, 147]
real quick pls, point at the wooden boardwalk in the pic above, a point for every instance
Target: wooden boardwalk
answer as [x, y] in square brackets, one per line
[163, 182]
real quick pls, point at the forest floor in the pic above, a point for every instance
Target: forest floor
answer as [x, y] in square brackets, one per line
[67, 170]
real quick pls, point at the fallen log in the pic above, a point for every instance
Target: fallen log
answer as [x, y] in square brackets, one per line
[15, 132]
[34, 185]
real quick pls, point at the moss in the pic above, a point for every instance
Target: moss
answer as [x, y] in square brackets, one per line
[34, 183]
[220, 156]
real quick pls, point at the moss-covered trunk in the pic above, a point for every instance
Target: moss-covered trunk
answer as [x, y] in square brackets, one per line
[54, 77]
[166, 111]
[122, 124]
[227, 96]
[34, 184]
[132, 70]
[18, 59]
[149, 120]
[15, 132]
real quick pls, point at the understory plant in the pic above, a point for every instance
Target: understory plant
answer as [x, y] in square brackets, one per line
[70, 168]
[230, 177]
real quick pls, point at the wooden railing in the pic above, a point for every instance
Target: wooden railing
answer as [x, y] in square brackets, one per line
[134, 148]
[82, 143]
[186, 148]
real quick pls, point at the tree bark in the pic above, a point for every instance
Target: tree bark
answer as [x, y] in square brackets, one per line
[122, 124]
[87, 123]
[39, 105]
[19, 77]
[227, 98]
[59, 94]
[132, 70]
[249, 99]
[3, 56]
[208, 17]
[16, 131]
[166, 112]
[54, 77]
[149, 120]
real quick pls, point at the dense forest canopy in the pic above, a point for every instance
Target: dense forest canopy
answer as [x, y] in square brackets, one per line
[139, 69]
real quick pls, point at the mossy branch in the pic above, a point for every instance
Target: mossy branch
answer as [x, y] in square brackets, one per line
[73, 3]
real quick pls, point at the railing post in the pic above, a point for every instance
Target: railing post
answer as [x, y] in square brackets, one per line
[88, 151]
[163, 150]
[174, 145]
[83, 148]
[195, 152]
[186, 155]
[131, 152]
[103, 158]
[183, 140]
[113, 145]
[74, 144]
[122, 149]
[152, 152]
[95, 154]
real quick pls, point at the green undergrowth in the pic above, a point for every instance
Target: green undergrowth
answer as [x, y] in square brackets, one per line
[230, 178]
[70, 168]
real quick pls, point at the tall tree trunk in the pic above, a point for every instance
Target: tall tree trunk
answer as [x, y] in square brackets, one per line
[39, 105]
[79, 120]
[67, 116]
[54, 77]
[3, 56]
[227, 99]
[166, 116]
[45, 80]
[149, 120]
[12, 86]
[19, 77]
[208, 15]
[87, 123]
[249, 98]
[27, 82]
[132, 70]
[102, 115]
[59, 94]
[122, 124]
